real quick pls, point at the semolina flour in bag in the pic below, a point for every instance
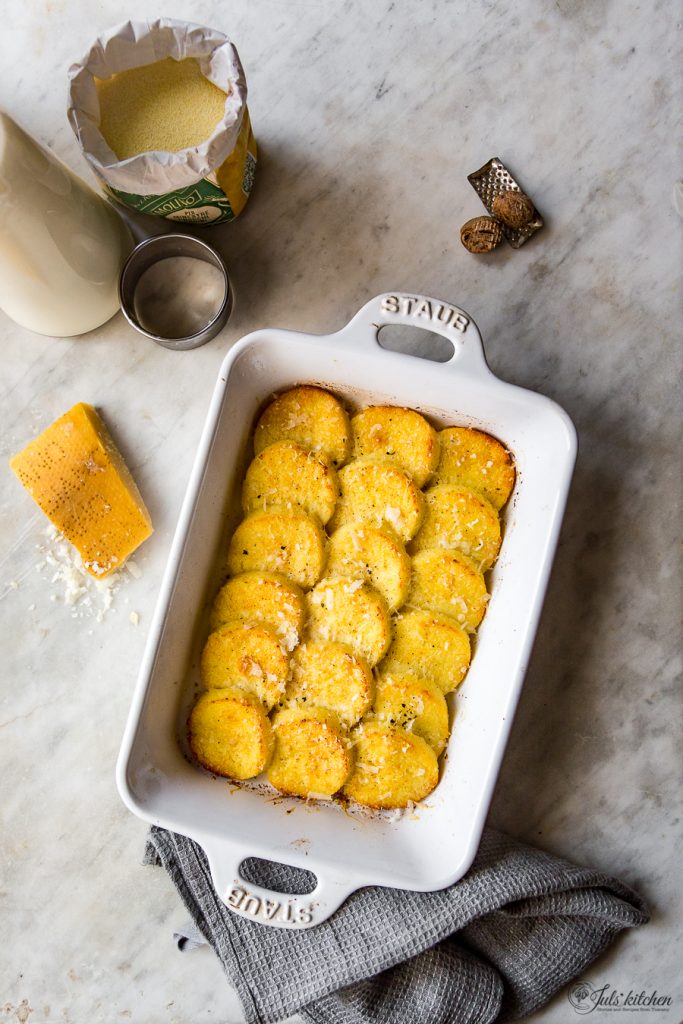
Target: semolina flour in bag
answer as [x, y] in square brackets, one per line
[160, 111]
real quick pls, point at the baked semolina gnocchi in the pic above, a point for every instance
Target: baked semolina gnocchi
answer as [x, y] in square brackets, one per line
[431, 645]
[230, 734]
[450, 583]
[393, 768]
[265, 597]
[248, 655]
[414, 703]
[331, 647]
[376, 492]
[402, 435]
[351, 612]
[331, 675]
[291, 543]
[473, 459]
[458, 519]
[311, 417]
[312, 757]
[373, 554]
[286, 475]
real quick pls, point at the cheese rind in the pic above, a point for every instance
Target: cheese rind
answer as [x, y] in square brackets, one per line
[76, 475]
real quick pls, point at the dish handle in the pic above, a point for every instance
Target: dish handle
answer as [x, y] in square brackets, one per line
[266, 906]
[433, 315]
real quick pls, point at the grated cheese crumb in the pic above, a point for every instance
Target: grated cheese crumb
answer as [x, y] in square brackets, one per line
[393, 516]
[85, 595]
[351, 588]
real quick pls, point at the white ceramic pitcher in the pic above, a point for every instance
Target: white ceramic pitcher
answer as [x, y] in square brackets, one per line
[61, 245]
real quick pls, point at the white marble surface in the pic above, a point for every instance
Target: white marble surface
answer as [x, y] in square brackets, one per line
[369, 117]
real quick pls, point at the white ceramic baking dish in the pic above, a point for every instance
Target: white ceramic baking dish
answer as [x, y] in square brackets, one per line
[434, 846]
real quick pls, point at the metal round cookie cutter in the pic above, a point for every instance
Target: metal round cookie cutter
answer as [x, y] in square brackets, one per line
[152, 251]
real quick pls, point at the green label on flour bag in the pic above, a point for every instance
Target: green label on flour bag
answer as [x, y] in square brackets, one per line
[203, 203]
[207, 201]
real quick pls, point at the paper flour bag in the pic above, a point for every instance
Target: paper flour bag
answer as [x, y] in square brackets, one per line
[160, 111]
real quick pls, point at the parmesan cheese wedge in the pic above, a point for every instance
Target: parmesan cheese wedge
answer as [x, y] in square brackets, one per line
[76, 475]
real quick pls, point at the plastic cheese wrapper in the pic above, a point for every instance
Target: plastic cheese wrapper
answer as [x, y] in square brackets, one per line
[204, 184]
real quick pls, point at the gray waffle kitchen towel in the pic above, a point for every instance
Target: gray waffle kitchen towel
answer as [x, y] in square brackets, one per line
[493, 947]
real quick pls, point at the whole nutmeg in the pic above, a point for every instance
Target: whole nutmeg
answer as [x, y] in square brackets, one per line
[481, 234]
[514, 209]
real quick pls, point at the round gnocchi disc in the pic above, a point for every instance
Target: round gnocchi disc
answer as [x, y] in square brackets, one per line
[285, 475]
[448, 582]
[230, 734]
[350, 612]
[414, 704]
[478, 461]
[261, 597]
[430, 645]
[373, 554]
[402, 435]
[393, 767]
[291, 543]
[311, 756]
[330, 675]
[460, 520]
[377, 492]
[312, 417]
[251, 656]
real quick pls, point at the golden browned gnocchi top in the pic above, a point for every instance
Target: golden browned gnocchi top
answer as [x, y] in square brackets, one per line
[332, 646]
[402, 435]
[312, 417]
